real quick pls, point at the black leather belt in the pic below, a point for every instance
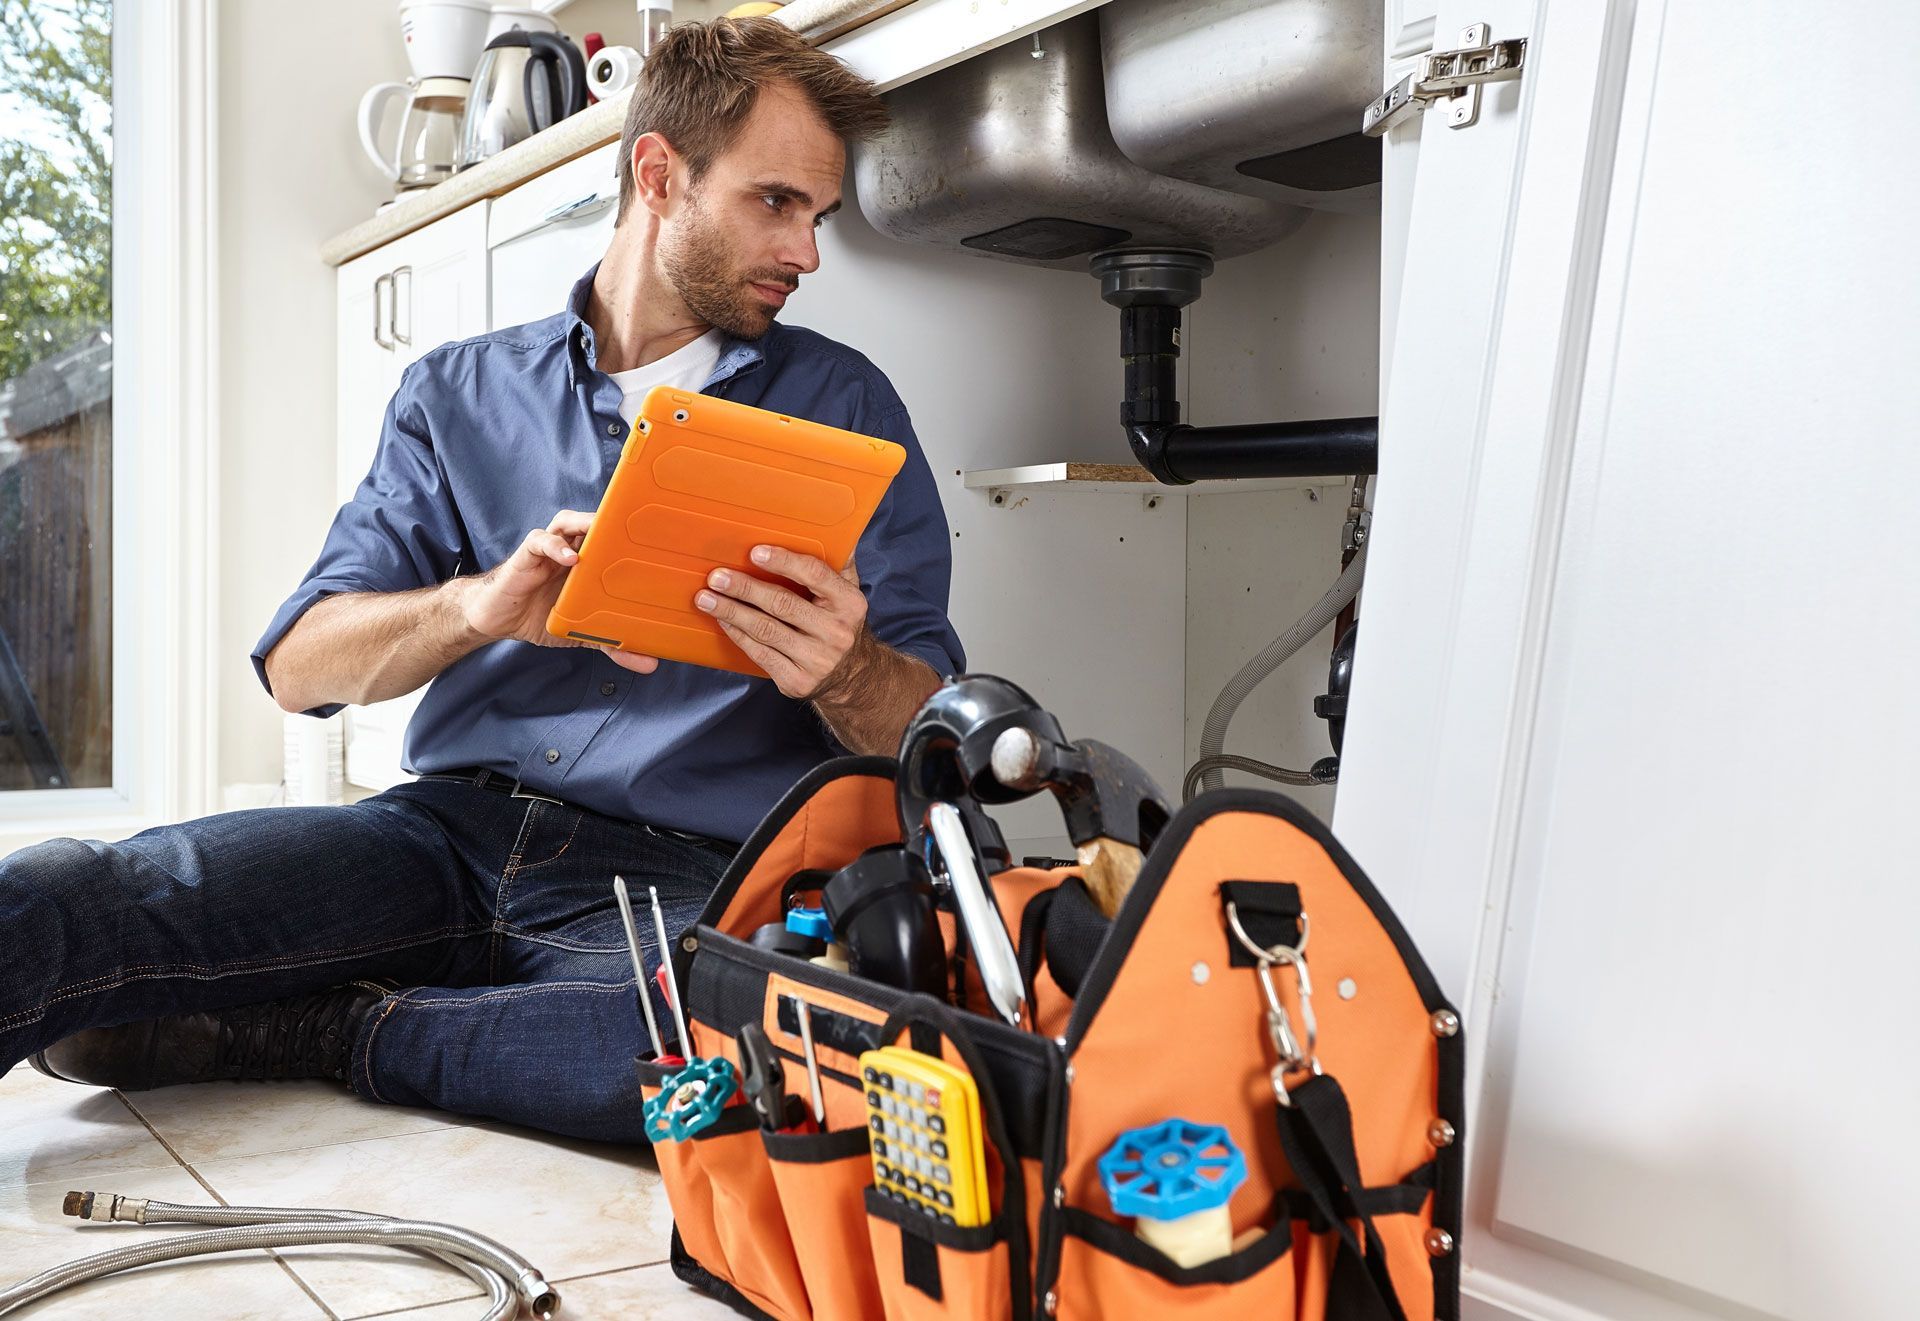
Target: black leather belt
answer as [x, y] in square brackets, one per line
[495, 782]
[499, 782]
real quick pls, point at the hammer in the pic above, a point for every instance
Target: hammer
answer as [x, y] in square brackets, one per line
[1113, 808]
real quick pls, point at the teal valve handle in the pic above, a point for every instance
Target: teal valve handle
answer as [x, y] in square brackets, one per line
[690, 1100]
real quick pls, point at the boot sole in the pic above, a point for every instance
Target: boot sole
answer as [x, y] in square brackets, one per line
[39, 1062]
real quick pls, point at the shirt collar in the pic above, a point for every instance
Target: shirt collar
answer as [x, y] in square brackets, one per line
[736, 355]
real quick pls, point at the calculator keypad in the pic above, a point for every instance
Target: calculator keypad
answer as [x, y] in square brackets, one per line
[913, 1144]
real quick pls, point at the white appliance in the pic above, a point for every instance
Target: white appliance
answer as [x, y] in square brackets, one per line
[505, 18]
[443, 40]
[426, 146]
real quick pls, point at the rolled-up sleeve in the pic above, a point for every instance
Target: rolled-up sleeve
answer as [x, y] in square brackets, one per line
[906, 562]
[400, 531]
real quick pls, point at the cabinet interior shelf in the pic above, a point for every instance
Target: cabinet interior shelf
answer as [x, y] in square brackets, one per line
[1126, 479]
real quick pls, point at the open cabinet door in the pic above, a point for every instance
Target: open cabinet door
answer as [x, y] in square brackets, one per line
[1632, 730]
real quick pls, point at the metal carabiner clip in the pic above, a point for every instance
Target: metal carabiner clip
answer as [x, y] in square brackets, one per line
[1286, 1046]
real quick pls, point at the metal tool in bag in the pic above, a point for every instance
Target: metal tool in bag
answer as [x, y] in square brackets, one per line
[763, 1081]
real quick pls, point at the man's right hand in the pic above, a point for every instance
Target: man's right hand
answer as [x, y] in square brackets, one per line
[514, 598]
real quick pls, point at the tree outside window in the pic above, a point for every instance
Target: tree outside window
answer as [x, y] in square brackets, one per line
[56, 386]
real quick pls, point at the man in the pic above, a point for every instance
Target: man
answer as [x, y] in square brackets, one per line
[273, 943]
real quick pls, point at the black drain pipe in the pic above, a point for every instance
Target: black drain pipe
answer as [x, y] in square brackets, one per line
[1150, 288]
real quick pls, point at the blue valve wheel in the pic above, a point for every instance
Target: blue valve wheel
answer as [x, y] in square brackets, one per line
[1172, 1169]
[690, 1099]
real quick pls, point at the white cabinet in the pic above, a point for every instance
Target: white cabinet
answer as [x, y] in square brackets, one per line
[394, 305]
[544, 235]
[1632, 711]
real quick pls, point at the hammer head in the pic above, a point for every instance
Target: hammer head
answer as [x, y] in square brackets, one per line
[1105, 794]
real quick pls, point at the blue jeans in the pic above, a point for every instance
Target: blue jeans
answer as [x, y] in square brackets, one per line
[495, 913]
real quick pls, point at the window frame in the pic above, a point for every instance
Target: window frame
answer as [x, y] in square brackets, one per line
[165, 439]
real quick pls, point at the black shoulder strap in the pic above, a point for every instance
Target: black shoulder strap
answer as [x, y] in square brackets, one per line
[1316, 1135]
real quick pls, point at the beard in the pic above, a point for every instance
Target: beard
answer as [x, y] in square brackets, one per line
[714, 288]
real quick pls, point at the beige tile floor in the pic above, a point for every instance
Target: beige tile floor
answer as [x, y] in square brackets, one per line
[593, 1218]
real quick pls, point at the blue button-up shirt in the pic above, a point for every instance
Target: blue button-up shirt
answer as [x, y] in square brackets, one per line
[489, 437]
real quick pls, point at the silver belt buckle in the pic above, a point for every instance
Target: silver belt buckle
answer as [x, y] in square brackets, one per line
[519, 792]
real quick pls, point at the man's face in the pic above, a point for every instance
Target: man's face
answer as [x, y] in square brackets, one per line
[743, 236]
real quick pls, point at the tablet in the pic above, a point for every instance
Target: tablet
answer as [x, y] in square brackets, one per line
[701, 482]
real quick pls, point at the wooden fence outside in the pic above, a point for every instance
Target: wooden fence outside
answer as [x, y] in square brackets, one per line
[56, 605]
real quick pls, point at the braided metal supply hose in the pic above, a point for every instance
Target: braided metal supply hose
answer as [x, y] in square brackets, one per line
[1227, 761]
[509, 1279]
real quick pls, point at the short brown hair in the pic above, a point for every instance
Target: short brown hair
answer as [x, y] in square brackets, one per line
[700, 84]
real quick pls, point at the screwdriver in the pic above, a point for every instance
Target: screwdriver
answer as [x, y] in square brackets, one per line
[639, 964]
[666, 969]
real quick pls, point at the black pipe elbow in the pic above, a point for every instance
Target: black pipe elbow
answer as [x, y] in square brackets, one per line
[1149, 443]
[1150, 288]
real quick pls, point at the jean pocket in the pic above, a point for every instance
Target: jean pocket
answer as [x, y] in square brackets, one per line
[928, 1271]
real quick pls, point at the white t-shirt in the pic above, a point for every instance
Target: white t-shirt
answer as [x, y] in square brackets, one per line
[686, 368]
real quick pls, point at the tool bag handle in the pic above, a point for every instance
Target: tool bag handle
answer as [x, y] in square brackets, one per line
[1316, 1133]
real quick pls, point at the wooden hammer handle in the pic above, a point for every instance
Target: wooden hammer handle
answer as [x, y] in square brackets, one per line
[1109, 870]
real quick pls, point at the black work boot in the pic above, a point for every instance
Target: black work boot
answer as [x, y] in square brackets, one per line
[303, 1036]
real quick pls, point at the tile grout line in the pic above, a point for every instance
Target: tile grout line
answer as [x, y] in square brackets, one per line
[214, 1193]
[165, 1145]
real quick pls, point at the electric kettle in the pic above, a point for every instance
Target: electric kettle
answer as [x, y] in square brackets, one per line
[525, 81]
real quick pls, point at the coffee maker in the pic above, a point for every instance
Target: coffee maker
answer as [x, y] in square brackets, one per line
[443, 39]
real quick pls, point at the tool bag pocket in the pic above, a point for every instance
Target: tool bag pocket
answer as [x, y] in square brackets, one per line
[821, 1178]
[930, 1270]
[1403, 1216]
[1106, 1271]
[721, 1187]
[934, 1271]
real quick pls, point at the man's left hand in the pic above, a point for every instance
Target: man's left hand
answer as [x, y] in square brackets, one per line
[801, 641]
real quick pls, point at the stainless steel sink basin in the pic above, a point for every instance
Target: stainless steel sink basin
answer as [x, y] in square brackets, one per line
[1010, 155]
[1258, 96]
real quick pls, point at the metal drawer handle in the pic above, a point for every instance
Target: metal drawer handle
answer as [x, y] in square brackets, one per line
[578, 209]
[387, 280]
[393, 313]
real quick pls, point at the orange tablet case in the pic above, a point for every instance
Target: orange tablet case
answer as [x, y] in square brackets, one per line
[701, 482]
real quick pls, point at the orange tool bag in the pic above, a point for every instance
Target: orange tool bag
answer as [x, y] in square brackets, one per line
[1251, 979]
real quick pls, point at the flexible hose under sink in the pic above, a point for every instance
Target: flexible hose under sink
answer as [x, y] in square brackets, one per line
[509, 1279]
[1213, 736]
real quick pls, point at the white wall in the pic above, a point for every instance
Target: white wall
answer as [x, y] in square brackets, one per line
[291, 175]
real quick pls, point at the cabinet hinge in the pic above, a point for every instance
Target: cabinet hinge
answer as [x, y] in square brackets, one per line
[1451, 76]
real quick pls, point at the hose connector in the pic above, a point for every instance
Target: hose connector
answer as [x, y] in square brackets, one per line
[104, 1206]
[539, 1296]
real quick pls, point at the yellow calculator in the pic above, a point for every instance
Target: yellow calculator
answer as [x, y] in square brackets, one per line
[923, 1117]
